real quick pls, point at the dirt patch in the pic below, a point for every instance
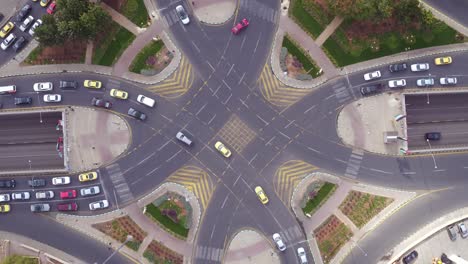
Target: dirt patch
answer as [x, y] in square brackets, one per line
[69, 52]
[294, 66]
[361, 207]
[158, 253]
[120, 228]
[331, 236]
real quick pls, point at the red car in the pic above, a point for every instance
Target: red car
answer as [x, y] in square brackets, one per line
[68, 194]
[241, 25]
[67, 207]
[51, 8]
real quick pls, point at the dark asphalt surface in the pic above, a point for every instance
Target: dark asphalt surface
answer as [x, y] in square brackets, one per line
[455, 9]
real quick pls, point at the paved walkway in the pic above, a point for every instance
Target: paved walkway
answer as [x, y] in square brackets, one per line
[214, 11]
[328, 31]
[89, 52]
[250, 247]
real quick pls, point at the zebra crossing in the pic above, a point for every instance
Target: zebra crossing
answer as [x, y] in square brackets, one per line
[354, 163]
[111, 84]
[119, 182]
[209, 253]
[342, 93]
[259, 10]
[171, 18]
[291, 234]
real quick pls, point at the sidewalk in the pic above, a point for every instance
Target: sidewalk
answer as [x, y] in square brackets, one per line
[250, 247]
[213, 11]
[328, 31]
[122, 20]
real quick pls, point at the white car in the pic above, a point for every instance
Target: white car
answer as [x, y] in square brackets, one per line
[43, 87]
[61, 180]
[425, 82]
[397, 83]
[26, 23]
[45, 195]
[420, 67]
[52, 98]
[36, 24]
[372, 75]
[448, 80]
[20, 196]
[182, 14]
[183, 138]
[99, 205]
[279, 242]
[8, 41]
[145, 100]
[94, 190]
[302, 255]
[4, 197]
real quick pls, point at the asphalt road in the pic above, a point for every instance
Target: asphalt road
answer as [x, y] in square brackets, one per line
[456, 9]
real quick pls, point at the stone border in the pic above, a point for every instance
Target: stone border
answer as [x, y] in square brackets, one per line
[237, 3]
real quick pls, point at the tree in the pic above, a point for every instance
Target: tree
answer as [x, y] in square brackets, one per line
[48, 33]
[407, 11]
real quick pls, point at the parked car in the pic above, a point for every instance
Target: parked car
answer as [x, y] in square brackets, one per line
[136, 114]
[145, 100]
[37, 183]
[371, 89]
[6, 29]
[419, 67]
[52, 98]
[44, 3]
[448, 80]
[43, 87]
[92, 84]
[443, 60]
[302, 255]
[51, 8]
[183, 138]
[19, 44]
[182, 14]
[432, 136]
[94, 190]
[69, 194]
[26, 23]
[5, 208]
[4, 197]
[101, 103]
[45, 195]
[452, 233]
[7, 183]
[411, 257]
[8, 41]
[279, 242]
[222, 149]
[397, 83]
[425, 82]
[67, 206]
[99, 205]
[20, 196]
[240, 26]
[36, 24]
[372, 75]
[88, 176]
[397, 67]
[23, 100]
[37, 208]
[68, 85]
[61, 180]
[24, 11]
[462, 229]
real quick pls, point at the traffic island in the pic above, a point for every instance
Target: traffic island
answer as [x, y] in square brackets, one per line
[120, 228]
[331, 236]
[317, 193]
[296, 63]
[249, 247]
[152, 59]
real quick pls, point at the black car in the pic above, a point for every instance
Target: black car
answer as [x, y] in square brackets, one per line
[397, 67]
[433, 136]
[411, 257]
[136, 114]
[23, 13]
[101, 103]
[7, 183]
[68, 85]
[445, 259]
[370, 89]
[37, 183]
[19, 44]
[23, 100]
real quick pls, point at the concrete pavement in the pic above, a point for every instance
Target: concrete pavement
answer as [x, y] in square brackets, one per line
[250, 247]
[213, 12]
[329, 30]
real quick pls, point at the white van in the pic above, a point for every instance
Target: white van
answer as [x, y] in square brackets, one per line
[145, 100]
[8, 89]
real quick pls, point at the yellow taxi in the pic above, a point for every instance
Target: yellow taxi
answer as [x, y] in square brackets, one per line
[4, 208]
[92, 84]
[443, 60]
[6, 29]
[88, 176]
[222, 149]
[261, 195]
[119, 94]
[44, 3]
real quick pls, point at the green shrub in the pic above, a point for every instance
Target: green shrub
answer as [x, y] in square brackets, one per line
[134, 245]
[305, 20]
[322, 195]
[135, 11]
[114, 44]
[307, 63]
[156, 214]
[16, 259]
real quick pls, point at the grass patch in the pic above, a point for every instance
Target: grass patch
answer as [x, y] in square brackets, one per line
[139, 63]
[304, 19]
[322, 196]
[135, 11]
[307, 63]
[360, 207]
[33, 54]
[113, 45]
[16, 259]
[177, 228]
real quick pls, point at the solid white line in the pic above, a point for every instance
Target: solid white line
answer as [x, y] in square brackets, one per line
[217, 89]
[386, 172]
[230, 69]
[289, 124]
[173, 156]
[269, 141]
[224, 202]
[244, 103]
[258, 41]
[167, 118]
[312, 107]
[229, 87]
[409, 172]
[211, 119]
[227, 100]
[266, 123]
[253, 158]
[465, 167]
[284, 135]
[242, 77]
[243, 41]
[211, 66]
[237, 179]
[201, 109]
[212, 231]
[196, 47]
[161, 147]
[314, 150]
[145, 159]
[151, 172]
[439, 170]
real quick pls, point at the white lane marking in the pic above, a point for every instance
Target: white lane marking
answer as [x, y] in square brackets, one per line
[229, 72]
[201, 109]
[217, 89]
[227, 100]
[151, 172]
[292, 121]
[409, 172]
[269, 141]
[145, 159]
[245, 182]
[173, 156]
[165, 144]
[314, 150]
[224, 202]
[196, 47]
[284, 135]
[266, 123]
[237, 179]
[211, 66]
[340, 160]
[212, 119]
[258, 41]
[465, 167]
[167, 118]
[312, 107]
[212, 231]
[244, 103]
[242, 77]
[386, 172]
[253, 158]
[439, 170]
[229, 87]
[243, 41]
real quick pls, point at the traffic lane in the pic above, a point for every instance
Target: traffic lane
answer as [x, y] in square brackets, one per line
[436, 115]
[455, 9]
[51, 233]
[404, 222]
[12, 121]
[42, 156]
[29, 136]
[453, 133]
[449, 99]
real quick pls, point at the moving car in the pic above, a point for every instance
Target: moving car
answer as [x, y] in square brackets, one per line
[68, 85]
[222, 149]
[432, 136]
[182, 14]
[183, 138]
[370, 89]
[44, 3]
[52, 98]
[397, 83]
[88, 176]
[302, 255]
[410, 258]
[67, 206]
[69, 194]
[4, 208]
[145, 100]
[448, 80]
[279, 242]
[419, 67]
[136, 114]
[92, 84]
[19, 44]
[7, 183]
[6, 29]
[120, 94]
[45, 195]
[51, 8]
[397, 67]
[20, 196]
[61, 180]
[4, 197]
[26, 23]
[425, 82]
[443, 60]
[37, 183]
[24, 11]
[462, 229]
[101, 103]
[36, 24]
[37, 208]
[43, 87]
[23, 100]
[261, 195]
[372, 75]
[8, 41]
[240, 26]
[99, 205]
[94, 190]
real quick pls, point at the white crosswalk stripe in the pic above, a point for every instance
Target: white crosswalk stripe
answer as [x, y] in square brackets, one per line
[209, 253]
[119, 182]
[354, 163]
[291, 234]
[171, 17]
[341, 92]
[258, 9]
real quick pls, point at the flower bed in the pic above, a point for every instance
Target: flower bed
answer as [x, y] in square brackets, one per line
[361, 207]
[119, 228]
[331, 236]
[158, 253]
[152, 59]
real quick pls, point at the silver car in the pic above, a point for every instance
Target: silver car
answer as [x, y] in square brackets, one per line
[183, 138]
[448, 80]
[462, 229]
[425, 82]
[397, 83]
[20, 196]
[420, 67]
[94, 190]
[182, 15]
[35, 208]
[279, 242]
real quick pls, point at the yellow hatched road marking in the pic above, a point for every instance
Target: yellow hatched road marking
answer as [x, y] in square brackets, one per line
[179, 82]
[288, 176]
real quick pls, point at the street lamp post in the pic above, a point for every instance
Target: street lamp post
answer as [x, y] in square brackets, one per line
[128, 239]
[433, 158]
